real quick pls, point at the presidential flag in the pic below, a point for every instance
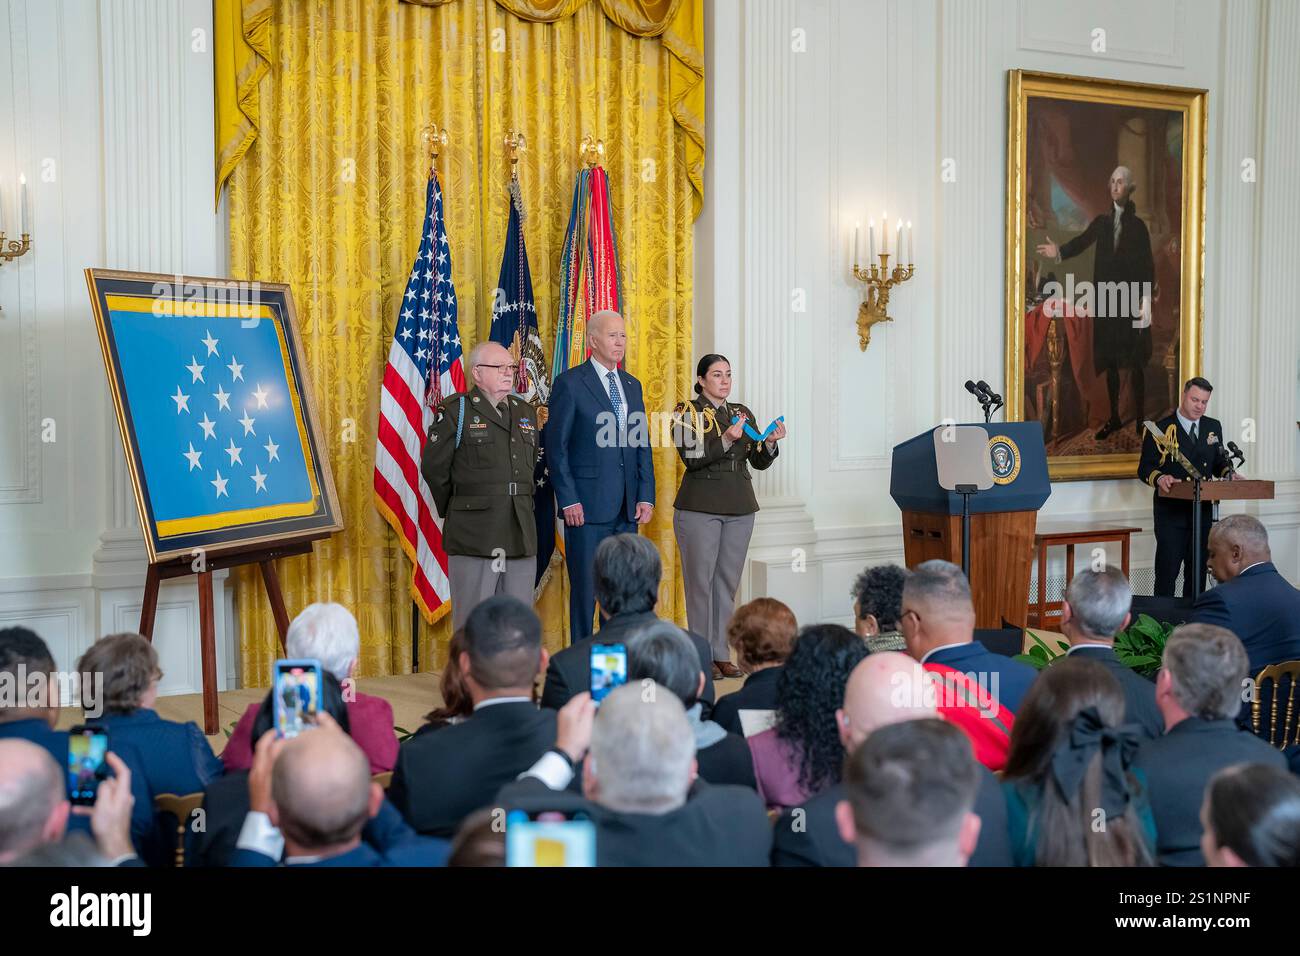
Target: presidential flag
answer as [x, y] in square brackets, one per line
[424, 367]
[514, 325]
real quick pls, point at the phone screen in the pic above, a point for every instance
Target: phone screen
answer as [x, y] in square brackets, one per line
[297, 693]
[87, 747]
[608, 669]
[549, 839]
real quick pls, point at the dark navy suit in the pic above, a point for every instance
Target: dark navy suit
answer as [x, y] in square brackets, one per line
[1013, 678]
[177, 757]
[608, 478]
[56, 742]
[1260, 607]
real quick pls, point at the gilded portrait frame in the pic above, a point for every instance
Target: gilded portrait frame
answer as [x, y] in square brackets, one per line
[224, 301]
[1022, 85]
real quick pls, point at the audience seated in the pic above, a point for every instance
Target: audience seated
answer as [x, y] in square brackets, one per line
[442, 777]
[639, 786]
[177, 757]
[31, 716]
[762, 634]
[885, 688]
[803, 755]
[980, 691]
[908, 796]
[456, 703]
[34, 811]
[1199, 690]
[1252, 599]
[626, 576]
[480, 841]
[328, 633]
[309, 799]
[1096, 608]
[877, 605]
[662, 654]
[1251, 817]
[1073, 798]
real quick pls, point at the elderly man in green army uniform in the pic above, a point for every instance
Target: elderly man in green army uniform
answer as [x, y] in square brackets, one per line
[478, 462]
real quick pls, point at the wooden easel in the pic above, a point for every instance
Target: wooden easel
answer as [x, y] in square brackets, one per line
[264, 556]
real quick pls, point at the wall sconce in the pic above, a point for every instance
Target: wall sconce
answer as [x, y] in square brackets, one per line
[880, 279]
[13, 248]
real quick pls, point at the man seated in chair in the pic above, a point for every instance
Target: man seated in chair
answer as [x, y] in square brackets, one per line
[1252, 599]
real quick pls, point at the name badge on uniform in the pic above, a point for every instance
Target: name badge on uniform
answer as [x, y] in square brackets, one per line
[525, 425]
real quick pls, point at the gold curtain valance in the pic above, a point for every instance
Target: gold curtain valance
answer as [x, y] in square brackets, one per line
[243, 54]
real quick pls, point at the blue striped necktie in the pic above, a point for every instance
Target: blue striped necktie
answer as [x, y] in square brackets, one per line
[614, 398]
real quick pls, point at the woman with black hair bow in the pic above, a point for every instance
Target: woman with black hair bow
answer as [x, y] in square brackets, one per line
[1072, 797]
[714, 510]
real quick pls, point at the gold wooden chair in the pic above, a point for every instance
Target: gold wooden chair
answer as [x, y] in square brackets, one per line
[1287, 732]
[182, 807]
[383, 779]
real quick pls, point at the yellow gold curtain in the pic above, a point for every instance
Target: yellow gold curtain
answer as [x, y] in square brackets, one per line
[329, 198]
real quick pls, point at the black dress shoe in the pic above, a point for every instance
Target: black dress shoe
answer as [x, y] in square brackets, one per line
[1108, 429]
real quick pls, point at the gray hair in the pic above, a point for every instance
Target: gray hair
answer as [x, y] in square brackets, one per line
[939, 584]
[626, 574]
[642, 746]
[598, 319]
[327, 633]
[31, 786]
[1245, 531]
[1207, 666]
[1128, 177]
[1100, 600]
[476, 353]
[661, 652]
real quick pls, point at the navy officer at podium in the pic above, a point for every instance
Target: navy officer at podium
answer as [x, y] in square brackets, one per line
[1201, 440]
[478, 461]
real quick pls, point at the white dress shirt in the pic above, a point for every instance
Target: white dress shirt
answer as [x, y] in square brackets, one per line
[603, 374]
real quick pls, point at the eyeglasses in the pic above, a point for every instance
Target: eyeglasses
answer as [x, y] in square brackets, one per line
[509, 368]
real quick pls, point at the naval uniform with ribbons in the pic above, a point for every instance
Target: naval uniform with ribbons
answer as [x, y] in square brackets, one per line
[478, 461]
[713, 516]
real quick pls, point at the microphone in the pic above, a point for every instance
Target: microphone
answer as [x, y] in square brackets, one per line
[970, 387]
[993, 397]
[1236, 453]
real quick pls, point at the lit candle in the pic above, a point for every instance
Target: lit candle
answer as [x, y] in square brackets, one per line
[871, 240]
[910, 260]
[22, 185]
[884, 233]
[898, 242]
[857, 227]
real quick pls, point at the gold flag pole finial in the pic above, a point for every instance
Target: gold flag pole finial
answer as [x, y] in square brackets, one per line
[435, 139]
[515, 144]
[591, 151]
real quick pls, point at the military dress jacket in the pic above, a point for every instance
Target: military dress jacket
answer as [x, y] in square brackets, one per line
[483, 486]
[1207, 454]
[717, 480]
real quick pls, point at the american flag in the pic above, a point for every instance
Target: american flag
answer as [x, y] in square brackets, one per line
[424, 367]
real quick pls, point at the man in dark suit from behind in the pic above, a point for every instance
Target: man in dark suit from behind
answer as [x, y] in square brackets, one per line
[1252, 599]
[938, 625]
[885, 688]
[1096, 607]
[34, 809]
[639, 786]
[443, 776]
[1199, 690]
[627, 571]
[310, 797]
[663, 654]
[909, 793]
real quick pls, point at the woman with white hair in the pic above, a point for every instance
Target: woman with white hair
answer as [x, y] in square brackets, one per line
[327, 632]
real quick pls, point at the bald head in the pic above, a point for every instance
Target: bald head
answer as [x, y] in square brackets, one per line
[607, 337]
[885, 688]
[32, 805]
[1236, 542]
[937, 608]
[322, 790]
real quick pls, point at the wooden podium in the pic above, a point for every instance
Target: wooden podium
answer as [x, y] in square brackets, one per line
[1199, 491]
[1002, 518]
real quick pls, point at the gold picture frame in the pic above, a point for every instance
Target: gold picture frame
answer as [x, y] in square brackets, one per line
[138, 316]
[1074, 374]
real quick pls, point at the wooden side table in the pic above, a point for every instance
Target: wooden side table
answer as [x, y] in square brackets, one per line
[1070, 534]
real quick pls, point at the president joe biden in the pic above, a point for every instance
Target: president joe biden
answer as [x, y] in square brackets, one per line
[599, 447]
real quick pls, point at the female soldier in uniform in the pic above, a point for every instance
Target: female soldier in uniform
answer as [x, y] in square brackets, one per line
[715, 505]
